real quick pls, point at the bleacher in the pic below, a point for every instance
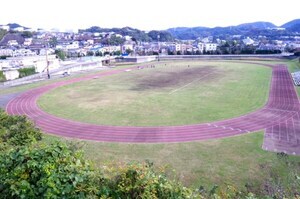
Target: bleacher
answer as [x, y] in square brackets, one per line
[296, 78]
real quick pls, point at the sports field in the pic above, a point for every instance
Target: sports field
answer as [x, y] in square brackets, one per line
[172, 93]
[235, 160]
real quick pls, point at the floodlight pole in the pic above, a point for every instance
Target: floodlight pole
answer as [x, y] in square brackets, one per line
[158, 36]
[47, 61]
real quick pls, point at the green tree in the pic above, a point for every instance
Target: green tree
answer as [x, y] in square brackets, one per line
[54, 171]
[53, 41]
[27, 34]
[2, 77]
[60, 54]
[17, 130]
[99, 53]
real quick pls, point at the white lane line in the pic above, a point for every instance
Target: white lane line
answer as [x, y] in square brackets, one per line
[173, 91]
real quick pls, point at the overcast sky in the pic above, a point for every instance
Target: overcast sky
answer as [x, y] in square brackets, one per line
[145, 15]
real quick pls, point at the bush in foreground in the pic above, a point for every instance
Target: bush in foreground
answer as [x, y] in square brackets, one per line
[17, 131]
[53, 171]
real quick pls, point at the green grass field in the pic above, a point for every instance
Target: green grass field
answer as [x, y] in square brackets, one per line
[236, 160]
[173, 94]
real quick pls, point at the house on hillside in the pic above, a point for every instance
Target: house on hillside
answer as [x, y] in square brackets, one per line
[12, 43]
[27, 42]
[19, 29]
[5, 27]
[248, 41]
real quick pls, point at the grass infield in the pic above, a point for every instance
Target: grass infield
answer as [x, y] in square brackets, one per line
[175, 93]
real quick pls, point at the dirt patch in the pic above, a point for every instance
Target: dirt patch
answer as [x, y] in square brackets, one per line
[168, 79]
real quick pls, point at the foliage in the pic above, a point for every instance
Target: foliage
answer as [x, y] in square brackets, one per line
[2, 33]
[113, 40]
[60, 54]
[23, 72]
[126, 31]
[53, 41]
[141, 181]
[17, 130]
[26, 34]
[98, 53]
[268, 51]
[283, 180]
[161, 36]
[2, 77]
[53, 171]
[90, 53]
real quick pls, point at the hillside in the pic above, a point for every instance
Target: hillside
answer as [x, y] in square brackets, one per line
[293, 25]
[257, 25]
[245, 29]
[12, 36]
[137, 34]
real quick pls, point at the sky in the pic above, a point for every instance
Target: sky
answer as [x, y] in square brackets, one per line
[145, 15]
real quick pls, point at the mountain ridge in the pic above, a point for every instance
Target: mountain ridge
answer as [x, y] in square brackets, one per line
[185, 33]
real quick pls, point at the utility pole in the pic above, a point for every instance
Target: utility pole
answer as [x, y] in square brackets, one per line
[158, 36]
[47, 61]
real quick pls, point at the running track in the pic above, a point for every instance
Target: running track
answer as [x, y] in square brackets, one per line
[280, 118]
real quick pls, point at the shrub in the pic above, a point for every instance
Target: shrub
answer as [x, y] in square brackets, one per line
[53, 171]
[141, 181]
[17, 130]
[23, 72]
[2, 77]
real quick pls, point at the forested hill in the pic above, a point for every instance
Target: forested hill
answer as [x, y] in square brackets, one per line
[246, 29]
[137, 34]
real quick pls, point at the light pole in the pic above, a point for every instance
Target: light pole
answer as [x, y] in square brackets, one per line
[158, 36]
[47, 61]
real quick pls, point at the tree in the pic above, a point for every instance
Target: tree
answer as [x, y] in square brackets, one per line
[53, 41]
[90, 53]
[99, 53]
[128, 51]
[60, 54]
[27, 34]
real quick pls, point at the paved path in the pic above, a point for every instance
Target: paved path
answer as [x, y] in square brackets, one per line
[280, 117]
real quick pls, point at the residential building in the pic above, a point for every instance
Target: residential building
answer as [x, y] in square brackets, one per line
[27, 42]
[200, 47]
[248, 41]
[4, 27]
[210, 46]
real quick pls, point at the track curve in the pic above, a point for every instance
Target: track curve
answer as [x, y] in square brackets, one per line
[282, 107]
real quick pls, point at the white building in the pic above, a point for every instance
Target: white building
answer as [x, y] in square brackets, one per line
[39, 62]
[210, 46]
[5, 27]
[127, 46]
[248, 41]
[73, 45]
[6, 52]
[12, 43]
[200, 47]
[19, 29]
[49, 51]
[28, 41]
[23, 52]
[11, 74]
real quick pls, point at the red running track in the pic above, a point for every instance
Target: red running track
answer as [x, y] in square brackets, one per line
[280, 117]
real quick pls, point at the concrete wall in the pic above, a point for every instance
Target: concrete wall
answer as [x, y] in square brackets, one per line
[43, 75]
[11, 74]
[138, 59]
